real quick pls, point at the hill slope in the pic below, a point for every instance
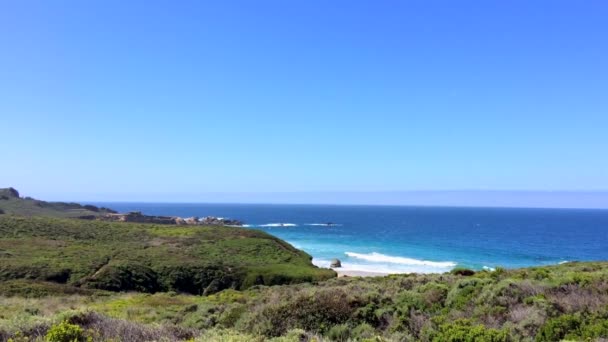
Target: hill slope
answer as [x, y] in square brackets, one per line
[146, 257]
[11, 203]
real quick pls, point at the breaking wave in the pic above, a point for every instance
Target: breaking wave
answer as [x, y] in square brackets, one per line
[278, 225]
[324, 224]
[377, 257]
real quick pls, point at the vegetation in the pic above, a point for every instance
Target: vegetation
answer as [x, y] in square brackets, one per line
[562, 302]
[85, 280]
[146, 258]
[12, 204]
[65, 331]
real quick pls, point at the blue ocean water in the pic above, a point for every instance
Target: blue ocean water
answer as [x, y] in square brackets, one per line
[396, 239]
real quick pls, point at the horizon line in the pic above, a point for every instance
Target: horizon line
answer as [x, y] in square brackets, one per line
[346, 205]
[496, 198]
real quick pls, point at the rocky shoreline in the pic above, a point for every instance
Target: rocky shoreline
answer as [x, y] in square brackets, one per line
[139, 217]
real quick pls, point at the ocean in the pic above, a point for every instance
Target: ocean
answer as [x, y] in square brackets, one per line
[403, 239]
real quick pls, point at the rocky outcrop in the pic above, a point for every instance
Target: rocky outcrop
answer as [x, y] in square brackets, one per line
[219, 221]
[335, 263]
[99, 209]
[463, 272]
[192, 220]
[137, 216]
[13, 192]
[8, 193]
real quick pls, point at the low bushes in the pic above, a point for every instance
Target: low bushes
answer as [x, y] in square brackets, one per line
[148, 258]
[65, 332]
[574, 327]
[315, 311]
[466, 331]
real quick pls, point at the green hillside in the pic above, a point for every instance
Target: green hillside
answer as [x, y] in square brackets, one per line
[12, 204]
[146, 257]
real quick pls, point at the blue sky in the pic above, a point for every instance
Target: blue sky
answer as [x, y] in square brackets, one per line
[166, 100]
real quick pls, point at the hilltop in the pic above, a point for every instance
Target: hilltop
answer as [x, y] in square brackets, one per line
[12, 204]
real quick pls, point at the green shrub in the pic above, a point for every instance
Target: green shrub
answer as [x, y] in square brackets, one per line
[363, 331]
[65, 332]
[231, 315]
[124, 276]
[574, 327]
[339, 332]
[433, 295]
[367, 313]
[409, 300]
[498, 272]
[465, 331]
[557, 328]
[540, 273]
[594, 329]
[461, 294]
[316, 311]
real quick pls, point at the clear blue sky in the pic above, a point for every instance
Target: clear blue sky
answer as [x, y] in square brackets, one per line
[164, 100]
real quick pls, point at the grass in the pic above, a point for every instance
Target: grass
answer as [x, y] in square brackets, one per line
[147, 258]
[568, 301]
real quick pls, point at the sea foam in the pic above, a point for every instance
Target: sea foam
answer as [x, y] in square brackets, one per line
[278, 225]
[378, 267]
[377, 257]
[324, 224]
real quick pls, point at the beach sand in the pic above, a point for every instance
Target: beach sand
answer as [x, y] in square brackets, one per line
[343, 273]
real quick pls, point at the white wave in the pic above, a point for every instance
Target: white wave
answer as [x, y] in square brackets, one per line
[488, 268]
[381, 268]
[246, 226]
[324, 224]
[278, 225]
[563, 262]
[377, 257]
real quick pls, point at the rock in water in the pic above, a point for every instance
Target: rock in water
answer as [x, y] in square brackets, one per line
[335, 263]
